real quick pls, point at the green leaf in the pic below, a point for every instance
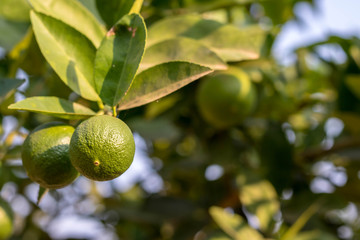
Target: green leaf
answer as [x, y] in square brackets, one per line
[350, 192]
[8, 86]
[90, 5]
[278, 11]
[154, 109]
[136, 7]
[161, 80]
[11, 33]
[354, 52]
[353, 82]
[69, 53]
[315, 235]
[276, 154]
[155, 129]
[351, 121]
[234, 225]
[300, 222]
[29, 57]
[73, 14]
[13, 152]
[15, 10]
[228, 41]
[53, 106]
[113, 10]
[259, 197]
[118, 58]
[181, 49]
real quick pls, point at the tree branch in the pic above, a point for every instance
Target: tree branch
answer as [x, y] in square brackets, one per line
[316, 153]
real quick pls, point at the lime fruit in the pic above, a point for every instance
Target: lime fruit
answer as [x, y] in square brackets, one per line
[45, 155]
[6, 220]
[226, 97]
[102, 148]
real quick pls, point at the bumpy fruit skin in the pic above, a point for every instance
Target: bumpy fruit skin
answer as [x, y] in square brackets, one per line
[225, 98]
[102, 148]
[6, 220]
[45, 155]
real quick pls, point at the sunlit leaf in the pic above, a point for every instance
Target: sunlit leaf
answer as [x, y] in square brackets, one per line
[259, 198]
[161, 80]
[118, 58]
[53, 106]
[181, 49]
[234, 225]
[73, 14]
[8, 86]
[228, 41]
[136, 7]
[69, 53]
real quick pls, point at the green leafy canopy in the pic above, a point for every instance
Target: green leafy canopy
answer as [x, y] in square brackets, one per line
[118, 68]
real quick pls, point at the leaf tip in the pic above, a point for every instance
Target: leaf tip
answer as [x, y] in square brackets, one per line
[11, 106]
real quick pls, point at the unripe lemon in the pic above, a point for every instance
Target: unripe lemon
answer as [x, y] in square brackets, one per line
[6, 220]
[226, 97]
[45, 155]
[102, 148]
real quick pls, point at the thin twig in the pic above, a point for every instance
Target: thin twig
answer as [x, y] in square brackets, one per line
[316, 153]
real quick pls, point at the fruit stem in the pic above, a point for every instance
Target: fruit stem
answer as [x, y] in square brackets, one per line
[41, 194]
[114, 111]
[100, 104]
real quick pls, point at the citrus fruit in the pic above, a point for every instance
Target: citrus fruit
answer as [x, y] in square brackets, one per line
[6, 220]
[45, 155]
[226, 97]
[102, 148]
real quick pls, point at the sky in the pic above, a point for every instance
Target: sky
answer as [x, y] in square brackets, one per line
[330, 17]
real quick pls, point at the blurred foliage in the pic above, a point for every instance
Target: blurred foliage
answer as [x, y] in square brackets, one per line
[288, 171]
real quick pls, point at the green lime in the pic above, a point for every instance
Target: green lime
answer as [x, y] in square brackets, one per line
[102, 148]
[6, 220]
[45, 155]
[226, 97]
